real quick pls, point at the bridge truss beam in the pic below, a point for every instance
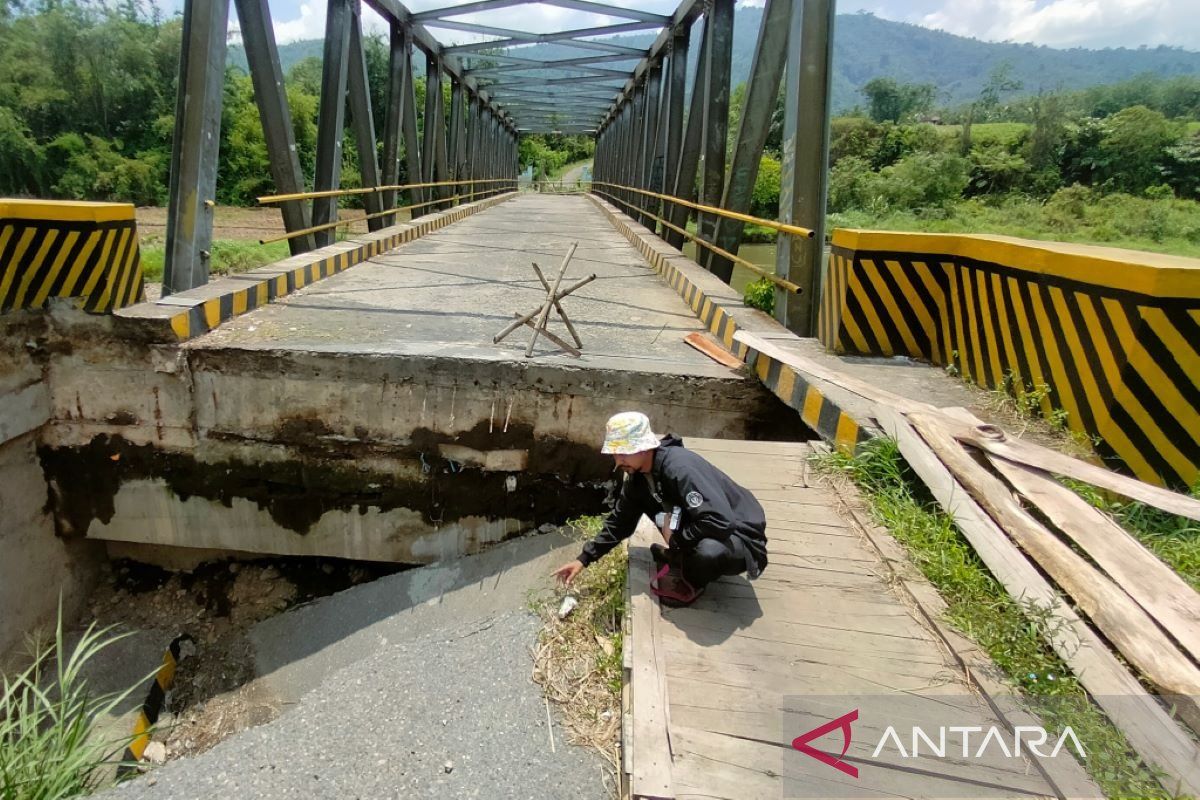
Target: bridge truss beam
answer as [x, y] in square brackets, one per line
[646, 143]
[482, 142]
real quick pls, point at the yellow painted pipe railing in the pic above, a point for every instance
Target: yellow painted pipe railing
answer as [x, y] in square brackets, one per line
[757, 270]
[793, 230]
[284, 198]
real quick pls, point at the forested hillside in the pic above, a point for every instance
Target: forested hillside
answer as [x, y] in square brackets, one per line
[866, 47]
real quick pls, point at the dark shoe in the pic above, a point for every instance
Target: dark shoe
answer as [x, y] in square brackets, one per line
[663, 555]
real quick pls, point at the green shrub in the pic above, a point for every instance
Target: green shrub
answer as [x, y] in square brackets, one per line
[925, 180]
[764, 202]
[760, 294]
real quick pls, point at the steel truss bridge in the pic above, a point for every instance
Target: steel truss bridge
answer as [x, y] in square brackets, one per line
[660, 116]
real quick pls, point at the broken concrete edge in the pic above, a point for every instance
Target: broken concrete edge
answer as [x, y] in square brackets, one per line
[156, 699]
[186, 315]
[836, 415]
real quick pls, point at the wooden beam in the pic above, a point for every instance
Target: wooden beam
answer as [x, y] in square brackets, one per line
[1146, 725]
[1122, 621]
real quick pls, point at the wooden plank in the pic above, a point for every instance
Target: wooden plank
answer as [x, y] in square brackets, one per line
[713, 350]
[768, 671]
[1067, 776]
[798, 450]
[1173, 603]
[867, 637]
[1110, 608]
[996, 442]
[1146, 725]
[651, 776]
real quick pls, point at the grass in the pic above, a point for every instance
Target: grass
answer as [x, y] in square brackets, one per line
[49, 747]
[1114, 220]
[228, 255]
[578, 659]
[1174, 539]
[1013, 636]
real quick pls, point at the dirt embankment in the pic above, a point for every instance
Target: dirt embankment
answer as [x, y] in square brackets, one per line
[235, 223]
[216, 603]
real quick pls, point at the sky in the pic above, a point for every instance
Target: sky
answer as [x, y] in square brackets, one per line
[1056, 23]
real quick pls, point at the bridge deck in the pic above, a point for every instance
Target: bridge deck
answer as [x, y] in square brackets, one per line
[721, 689]
[449, 292]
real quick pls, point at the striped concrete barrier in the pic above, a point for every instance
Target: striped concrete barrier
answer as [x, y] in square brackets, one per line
[68, 249]
[1109, 336]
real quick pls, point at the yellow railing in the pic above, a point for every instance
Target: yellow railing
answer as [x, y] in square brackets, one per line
[283, 198]
[782, 283]
[782, 227]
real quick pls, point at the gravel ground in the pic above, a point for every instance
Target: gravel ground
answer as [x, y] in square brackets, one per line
[452, 714]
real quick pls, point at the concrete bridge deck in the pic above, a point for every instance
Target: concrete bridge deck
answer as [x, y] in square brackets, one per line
[447, 293]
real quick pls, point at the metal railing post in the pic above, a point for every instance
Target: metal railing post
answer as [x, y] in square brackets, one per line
[193, 182]
[716, 112]
[805, 156]
[262, 57]
[362, 119]
[766, 70]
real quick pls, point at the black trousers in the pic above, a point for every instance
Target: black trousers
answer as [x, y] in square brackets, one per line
[712, 558]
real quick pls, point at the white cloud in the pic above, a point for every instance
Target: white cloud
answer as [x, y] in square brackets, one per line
[309, 25]
[1071, 23]
[1057, 23]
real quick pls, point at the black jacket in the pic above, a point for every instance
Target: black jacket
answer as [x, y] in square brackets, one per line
[712, 505]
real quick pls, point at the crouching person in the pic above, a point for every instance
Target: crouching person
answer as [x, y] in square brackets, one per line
[711, 526]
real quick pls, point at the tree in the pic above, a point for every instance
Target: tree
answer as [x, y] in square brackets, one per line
[999, 83]
[892, 101]
[1133, 147]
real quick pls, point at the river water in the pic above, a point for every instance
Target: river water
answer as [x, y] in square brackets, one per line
[763, 255]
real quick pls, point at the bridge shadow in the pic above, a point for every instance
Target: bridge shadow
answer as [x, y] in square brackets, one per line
[295, 651]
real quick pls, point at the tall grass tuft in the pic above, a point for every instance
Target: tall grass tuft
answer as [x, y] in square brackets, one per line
[49, 744]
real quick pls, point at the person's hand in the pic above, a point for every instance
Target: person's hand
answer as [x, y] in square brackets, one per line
[666, 532]
[567, 572]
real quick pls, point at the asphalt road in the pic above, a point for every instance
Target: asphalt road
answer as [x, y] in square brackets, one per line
[452, 715]
[414, 686]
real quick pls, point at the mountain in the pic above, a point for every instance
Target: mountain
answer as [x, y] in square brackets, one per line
[866, 47]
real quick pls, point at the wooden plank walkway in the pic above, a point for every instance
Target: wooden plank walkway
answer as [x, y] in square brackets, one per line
[718, 691]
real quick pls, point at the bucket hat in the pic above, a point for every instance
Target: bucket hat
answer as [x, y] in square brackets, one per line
[628, 433]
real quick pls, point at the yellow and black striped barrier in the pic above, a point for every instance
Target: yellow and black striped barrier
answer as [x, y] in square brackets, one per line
[68, 249]
[1110, 337]
[156, 698]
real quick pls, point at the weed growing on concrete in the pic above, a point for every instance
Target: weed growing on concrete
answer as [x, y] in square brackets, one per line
[49, 745]
[1174, 539]
[760, 294]
[1014, 637]
[578, 659]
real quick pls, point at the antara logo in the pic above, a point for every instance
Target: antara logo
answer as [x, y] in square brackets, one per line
[1031, 737]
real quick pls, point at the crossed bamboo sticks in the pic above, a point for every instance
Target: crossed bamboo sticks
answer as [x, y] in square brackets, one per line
[553, 301]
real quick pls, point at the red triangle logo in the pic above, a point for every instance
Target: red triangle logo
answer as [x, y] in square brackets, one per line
[843, 722]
